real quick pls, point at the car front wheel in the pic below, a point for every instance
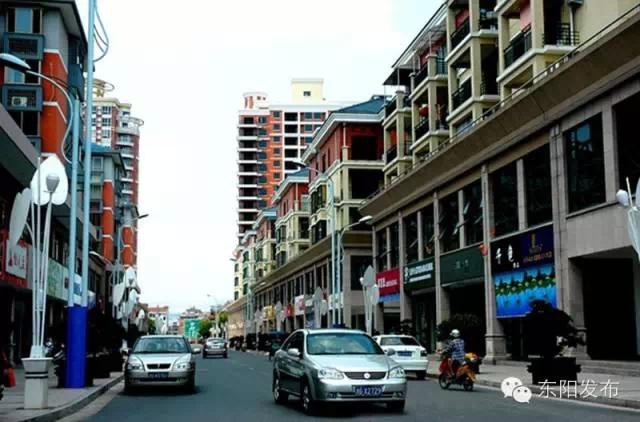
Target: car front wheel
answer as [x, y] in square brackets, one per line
[279, 396]
[308, 404]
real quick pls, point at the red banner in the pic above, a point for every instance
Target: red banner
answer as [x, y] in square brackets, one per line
[289, 310]
[389, 282]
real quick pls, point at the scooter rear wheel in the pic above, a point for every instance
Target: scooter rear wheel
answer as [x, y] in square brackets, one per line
[443, 381]
[467, 384]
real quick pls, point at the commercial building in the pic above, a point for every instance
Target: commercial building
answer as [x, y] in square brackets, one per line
[517, 201]
[346, 151]
[114, 127]
[271, 137]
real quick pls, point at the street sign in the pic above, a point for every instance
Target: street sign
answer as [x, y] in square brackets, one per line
[191, 328]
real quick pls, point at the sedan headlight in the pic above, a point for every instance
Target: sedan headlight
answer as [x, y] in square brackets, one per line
[397, 372]
[330, 374]
[184, 364]
[134, 364]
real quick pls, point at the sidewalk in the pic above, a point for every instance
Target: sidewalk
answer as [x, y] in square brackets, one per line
[609, 389]
[62, 402]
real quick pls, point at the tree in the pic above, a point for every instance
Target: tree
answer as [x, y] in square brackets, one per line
[205, 328]
[151, 327]
[223, 318]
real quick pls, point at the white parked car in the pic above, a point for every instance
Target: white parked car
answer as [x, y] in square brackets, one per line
[406, 351]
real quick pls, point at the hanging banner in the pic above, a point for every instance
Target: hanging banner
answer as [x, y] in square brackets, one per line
[389, 285]
[299, 305]
[522, 267]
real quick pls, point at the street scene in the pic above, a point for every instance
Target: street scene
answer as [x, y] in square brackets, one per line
[355, 209]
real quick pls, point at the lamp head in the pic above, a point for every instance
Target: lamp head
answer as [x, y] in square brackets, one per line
[623, 198]
[52, 182]
[299, 164]
[12, 62]
[365, 219]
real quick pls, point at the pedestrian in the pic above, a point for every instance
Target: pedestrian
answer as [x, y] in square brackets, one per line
[7, 374]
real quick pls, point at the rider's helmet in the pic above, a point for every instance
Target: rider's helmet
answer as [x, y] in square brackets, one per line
[455, 333]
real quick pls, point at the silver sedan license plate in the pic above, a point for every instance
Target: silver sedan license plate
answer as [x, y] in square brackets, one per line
[368, 390]
[159, 375]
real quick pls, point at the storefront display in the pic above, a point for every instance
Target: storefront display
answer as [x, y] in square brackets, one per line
[523, 270]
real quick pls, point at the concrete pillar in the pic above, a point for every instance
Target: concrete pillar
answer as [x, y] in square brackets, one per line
[503, 41]
[537, 23]
[522, 194]
[609, 148]
[476, 68]
[494, 338]
[474, 15]
[405, 299]
[400, 129]
[420, 237]
[432, 94]
[636, 294]
[346, 288]
[451, 26]
[461, 231]
[442, 297]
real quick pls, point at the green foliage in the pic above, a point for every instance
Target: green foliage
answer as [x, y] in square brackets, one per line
[151, 326]
[205, 327]
[223, 317]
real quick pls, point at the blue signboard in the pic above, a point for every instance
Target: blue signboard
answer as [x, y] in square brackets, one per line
[523, 271]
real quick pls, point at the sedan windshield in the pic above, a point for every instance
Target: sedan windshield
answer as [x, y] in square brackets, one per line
[161, 345]
[342, 344]
[398, 341]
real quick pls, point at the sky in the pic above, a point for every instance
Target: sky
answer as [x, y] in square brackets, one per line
[184, 66]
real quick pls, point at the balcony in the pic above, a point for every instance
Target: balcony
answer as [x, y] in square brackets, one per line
[391, 154]
[462, 94]
[441, 66]
[390, 107]
[421, 75]
[460, 33]
[517, 47]
[563, 35]
[488, 86]
[422, 128]
[488, 20]
[24, 46]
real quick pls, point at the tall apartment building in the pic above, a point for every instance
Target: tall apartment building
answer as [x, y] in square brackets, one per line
[116, 128]
[271, 137]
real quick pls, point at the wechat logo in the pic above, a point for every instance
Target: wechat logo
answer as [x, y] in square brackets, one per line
[513, 387]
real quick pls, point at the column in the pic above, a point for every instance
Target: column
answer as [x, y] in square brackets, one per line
[346, 288]
[405, 299]
[537, 23]
[611, 177]
[474, 15]
[522, 194]
[442, 298]
[494, 338]
[420, 237]
[461, 230]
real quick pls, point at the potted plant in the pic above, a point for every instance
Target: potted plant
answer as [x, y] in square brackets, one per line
[547, 331]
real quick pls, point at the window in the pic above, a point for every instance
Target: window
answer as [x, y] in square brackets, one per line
[276, 164]
[106, 110]
[304, 227]
[262, 155]
[628, 148]
[505, 200]
[97, 164]
[290, 117]
[277, 139]
[308, 139]
[290, 129]
[29, 121]
[359, 265]
[15, 77]
[276, 128]
[308, 115]
[24, 20]
[411, 238]
[585, 164]
[381, 243]
[318, 116]
[276, 176]
[262, 120]
[537, 175]
[106, 121]
[428, 231]
[308, 128]
[449, 223]
[306, 93]
[472, 213]
[276, 151]
[275, 114]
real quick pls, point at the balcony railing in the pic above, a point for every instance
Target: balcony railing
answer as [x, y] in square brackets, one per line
[462, 94]
[460, 33]
[422, 74]
[24, 46]
[392, 153]
[406, 101]
[390, 107]
[517, 47]
[563, 35]
[441, 66]
[422, 128]
[488, 86]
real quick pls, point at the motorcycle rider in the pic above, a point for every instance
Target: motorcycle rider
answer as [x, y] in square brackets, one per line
[455, 348]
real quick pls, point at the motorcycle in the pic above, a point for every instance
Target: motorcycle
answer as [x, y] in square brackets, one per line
[465, 374]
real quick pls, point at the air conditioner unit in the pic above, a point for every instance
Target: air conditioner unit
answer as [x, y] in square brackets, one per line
[19, 101]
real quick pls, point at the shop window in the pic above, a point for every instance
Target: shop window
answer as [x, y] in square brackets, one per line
[505, 200]
[381, 243]
[449, 223]
[411, 238]
[394, 252]
[628, 147]
[472, 213]
[537, 174]
[359, 265]
[585, 165]
[24, 20]
[428, 231]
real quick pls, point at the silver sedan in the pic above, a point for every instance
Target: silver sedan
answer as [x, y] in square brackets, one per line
[331, 365]
[158, 361]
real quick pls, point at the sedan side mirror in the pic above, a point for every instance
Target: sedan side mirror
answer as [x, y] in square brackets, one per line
[294, 353]
[390, 352]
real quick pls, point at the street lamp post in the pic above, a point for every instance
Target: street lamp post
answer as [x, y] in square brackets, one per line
[335, 294]
[363, 220]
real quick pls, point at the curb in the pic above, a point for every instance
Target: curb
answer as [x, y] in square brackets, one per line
[73, 407]
[623, 403]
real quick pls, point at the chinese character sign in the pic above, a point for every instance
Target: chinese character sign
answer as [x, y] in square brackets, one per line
[523, 270]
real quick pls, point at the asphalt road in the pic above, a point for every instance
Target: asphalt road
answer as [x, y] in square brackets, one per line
[238, 389]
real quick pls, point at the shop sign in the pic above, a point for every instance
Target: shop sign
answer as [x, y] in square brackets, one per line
[299, 305]
[420, 275]
[462, 266]
[16, 260]
[389, 285]
[55, 280]
[289, 310]
[523, 270]
[269, 312]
